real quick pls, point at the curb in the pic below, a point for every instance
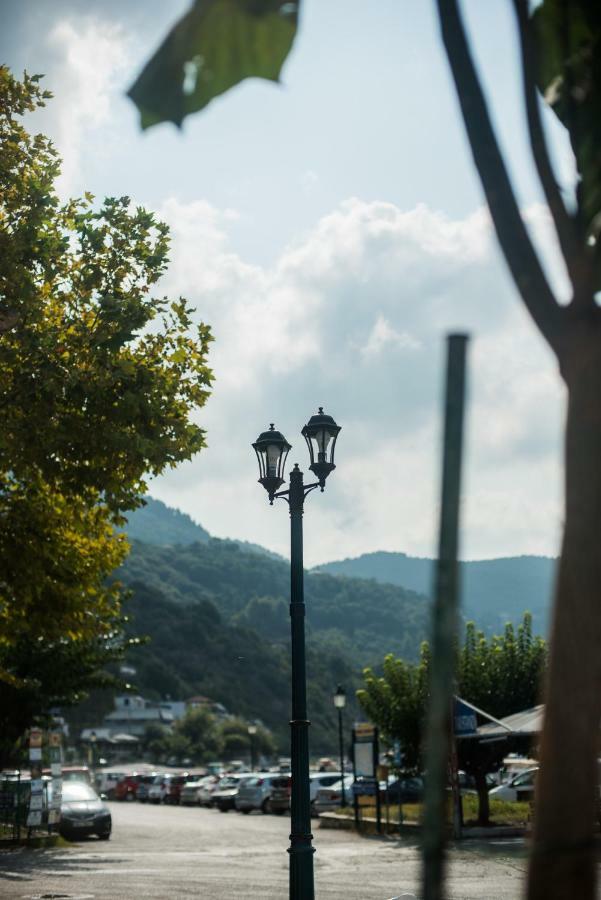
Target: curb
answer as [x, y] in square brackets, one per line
[369, 826]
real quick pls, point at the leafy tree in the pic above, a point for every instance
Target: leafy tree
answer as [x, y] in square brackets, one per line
[236, 740]
[501, 675]
[199, 728]
[560, 45]
[97, 381]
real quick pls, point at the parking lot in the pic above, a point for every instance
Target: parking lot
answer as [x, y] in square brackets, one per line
[180, 852]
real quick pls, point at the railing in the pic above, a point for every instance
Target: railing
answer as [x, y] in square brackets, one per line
[15, 794]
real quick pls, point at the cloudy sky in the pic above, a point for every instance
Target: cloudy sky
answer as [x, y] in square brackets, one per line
[331, 231]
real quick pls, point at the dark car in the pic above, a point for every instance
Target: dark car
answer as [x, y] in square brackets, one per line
[406, 790]
[224, 798]
[281, 789]
[83, 812]
[174, 787]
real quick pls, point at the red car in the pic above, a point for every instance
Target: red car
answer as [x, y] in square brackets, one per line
[174, 787]
[127, 788]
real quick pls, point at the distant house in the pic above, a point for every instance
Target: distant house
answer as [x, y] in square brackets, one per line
[132, 714]
[200, 702]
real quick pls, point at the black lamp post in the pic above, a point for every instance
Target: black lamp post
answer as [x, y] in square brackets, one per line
[93, 751]
[252, 730]
[271, 447]
[340, 703]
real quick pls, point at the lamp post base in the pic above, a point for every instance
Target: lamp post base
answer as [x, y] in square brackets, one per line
[301, 867]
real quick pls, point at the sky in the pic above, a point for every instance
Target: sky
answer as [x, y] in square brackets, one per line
[332, 231]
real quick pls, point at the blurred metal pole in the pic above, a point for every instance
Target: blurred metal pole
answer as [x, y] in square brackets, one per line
[444, 627]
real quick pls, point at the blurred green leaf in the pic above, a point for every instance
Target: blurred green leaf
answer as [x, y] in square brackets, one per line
[216, 45]
[568, 37]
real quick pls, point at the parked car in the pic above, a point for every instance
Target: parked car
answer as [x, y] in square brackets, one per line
[193, 792]
[405, 790]
[281, 789]
[144, 787]
[106, 783]
[255, 793]
[173, 788]
[82, 811]
[158, 789]
[328, 798]
[127, 788]
[520, 787]
[224, 797]
[207, 789]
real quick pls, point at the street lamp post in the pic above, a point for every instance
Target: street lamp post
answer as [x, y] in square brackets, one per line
[340, 703]
[272, 448]
[252, 730]
[93, 751]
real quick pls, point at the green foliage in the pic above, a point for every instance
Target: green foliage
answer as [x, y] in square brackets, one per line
[357, 616]
[97, 382]
[501, 675]
[216, 45]
[103, 373]
[569, 75]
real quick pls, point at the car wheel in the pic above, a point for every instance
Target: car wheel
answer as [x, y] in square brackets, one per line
[222, 809]
[245, 811]
[266, 806]
[104, 836]
[279, 812]
[129, 797]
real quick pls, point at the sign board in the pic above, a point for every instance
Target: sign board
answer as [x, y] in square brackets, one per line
[464, 719]
[54, 739]
[34, 818]
[364, 731]
[365, 764]
[35, 737]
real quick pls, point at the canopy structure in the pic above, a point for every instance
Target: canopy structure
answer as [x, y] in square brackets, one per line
[526, 723]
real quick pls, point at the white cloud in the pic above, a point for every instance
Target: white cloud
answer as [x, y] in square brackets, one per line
[92, 57]
[353, 317]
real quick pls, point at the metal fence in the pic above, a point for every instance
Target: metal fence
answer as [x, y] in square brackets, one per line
[15, 795]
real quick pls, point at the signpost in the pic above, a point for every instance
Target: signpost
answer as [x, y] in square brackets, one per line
[365, 770]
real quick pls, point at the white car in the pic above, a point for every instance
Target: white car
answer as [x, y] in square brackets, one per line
[520, 787]
[195, 793]
[329, 798]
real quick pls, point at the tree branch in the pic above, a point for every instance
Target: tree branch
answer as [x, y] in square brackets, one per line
[575, 255]
[513, 236]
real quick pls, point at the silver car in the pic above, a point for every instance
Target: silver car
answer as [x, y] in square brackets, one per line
[254, 793]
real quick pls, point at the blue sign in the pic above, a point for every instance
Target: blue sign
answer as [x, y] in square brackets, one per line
[464, 719]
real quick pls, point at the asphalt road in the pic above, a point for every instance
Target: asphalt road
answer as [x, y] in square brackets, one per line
[179, 852]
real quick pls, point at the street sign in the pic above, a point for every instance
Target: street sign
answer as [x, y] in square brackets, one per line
[464, 719]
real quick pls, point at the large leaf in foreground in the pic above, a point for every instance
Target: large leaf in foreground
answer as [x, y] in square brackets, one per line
[216, 45]
[569, 76]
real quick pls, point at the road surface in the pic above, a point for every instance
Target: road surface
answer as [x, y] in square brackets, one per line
[169, 853]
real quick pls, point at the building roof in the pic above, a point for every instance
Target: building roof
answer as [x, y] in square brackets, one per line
[526, 722]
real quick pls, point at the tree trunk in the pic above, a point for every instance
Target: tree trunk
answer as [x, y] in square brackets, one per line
[483, 800]
[563, 861]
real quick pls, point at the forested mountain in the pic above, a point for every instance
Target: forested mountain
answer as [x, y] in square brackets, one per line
[216, 613]
[361, 617]
[494, 591]
[217, 618]
[157, 523]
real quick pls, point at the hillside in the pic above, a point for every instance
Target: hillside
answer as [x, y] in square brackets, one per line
[494, 590]
[361, 617]
[157, 523]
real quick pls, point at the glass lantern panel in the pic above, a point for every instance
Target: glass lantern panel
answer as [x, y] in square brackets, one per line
[273, 457]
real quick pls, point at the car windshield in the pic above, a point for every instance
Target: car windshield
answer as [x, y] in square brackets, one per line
[78, 790]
